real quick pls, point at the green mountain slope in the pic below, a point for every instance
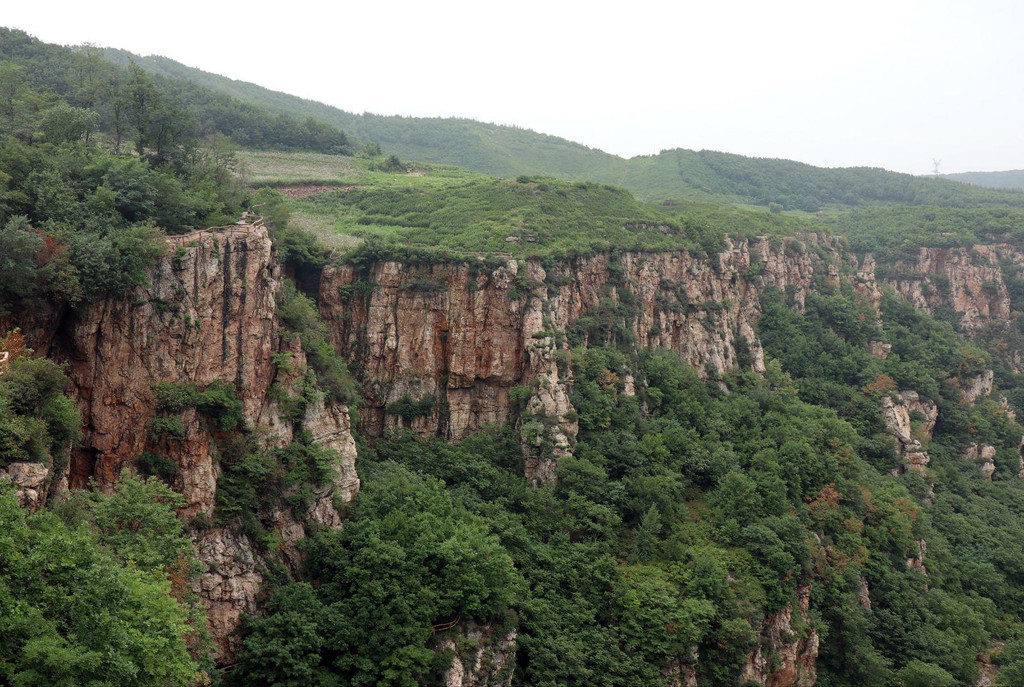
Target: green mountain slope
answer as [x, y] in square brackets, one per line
[793, 185]
[673, 174]
[488, 148]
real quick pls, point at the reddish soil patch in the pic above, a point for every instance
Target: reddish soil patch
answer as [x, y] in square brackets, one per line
[295, 191]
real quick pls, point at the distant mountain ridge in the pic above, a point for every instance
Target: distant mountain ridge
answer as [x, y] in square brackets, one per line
[678, 174]
[1009, 179]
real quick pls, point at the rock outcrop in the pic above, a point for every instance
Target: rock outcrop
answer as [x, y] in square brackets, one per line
[785, 657]
[482, 656]
[679, 673]
[30, 482]
[968, 280]
[988, 666]
[974, 389]
[911, 439]
[229, 585]
[985, 456]
[917, 561]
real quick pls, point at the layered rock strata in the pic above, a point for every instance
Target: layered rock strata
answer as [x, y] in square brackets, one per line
[967, 280]
[457, 338]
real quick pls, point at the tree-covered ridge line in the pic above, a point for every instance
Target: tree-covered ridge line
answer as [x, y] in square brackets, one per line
[1009, 179]
[96, 163]
[154, 111]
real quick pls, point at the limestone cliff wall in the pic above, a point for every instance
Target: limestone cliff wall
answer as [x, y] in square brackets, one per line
[207, 315]
[457, 338]
[967, 280]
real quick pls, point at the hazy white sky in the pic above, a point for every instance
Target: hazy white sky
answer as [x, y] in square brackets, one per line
[889, 83]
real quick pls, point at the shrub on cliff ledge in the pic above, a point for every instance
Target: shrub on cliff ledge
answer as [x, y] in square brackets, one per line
[38, 423]
[299, 314]
[217, 402]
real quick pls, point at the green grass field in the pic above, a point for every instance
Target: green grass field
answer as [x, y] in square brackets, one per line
[450, 209]
[269, 167]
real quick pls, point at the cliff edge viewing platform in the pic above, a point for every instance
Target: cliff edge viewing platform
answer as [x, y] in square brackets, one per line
[247, 225]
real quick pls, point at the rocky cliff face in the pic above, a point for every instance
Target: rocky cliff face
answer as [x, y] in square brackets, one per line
[967, 280]
[441, 348]
[208, 315]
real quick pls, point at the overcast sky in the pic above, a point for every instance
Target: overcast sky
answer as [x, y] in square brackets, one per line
[888, 83]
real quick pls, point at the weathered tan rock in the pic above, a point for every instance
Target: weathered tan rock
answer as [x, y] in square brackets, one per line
[481, 656]
[987, 665]
[230, 584]
[927, 409]
[680, 673]
[864, 594]
[331, 427]
[30, 480]
[985, 455]
[897, 415]
[549, 409]
[465, 334]
[782, 658]
[866, 286]
[969, 280]
[988, 469]
[897, 419]
[879, 349]
[1005, 404]
[973, 389]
